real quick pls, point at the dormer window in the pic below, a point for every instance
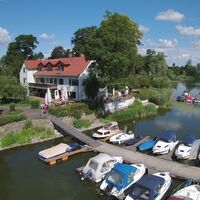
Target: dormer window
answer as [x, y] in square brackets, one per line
[41, 67]
[49, 67]
[60, 67]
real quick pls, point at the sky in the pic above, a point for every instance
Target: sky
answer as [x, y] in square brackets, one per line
[169, 26]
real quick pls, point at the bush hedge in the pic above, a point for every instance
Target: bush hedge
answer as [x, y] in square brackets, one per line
[35, 103]
[12, 118]
[74, 110]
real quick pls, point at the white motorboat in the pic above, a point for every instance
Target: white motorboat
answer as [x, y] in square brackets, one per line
[98, 166]
[184, 148]
[107, 130]
[120, 138]
[151, 187]
[166, 143]
[121, 177]
[191, 192]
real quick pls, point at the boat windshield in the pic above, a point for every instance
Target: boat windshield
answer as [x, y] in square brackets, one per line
[116, 178]
[141, 192]
[93, 165]
[99, 133]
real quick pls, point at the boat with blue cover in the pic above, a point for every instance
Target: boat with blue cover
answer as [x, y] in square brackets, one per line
[166, 143]
[121, 177]
[147, 145]
[150, 187]
[184, 148]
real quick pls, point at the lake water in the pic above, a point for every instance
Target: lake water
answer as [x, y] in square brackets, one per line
[23, 176]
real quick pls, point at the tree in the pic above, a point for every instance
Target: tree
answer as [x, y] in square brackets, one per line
[10, 88]
[18, 51]
[91, 86]
[58, 52]
[112, 45]
[38, 56]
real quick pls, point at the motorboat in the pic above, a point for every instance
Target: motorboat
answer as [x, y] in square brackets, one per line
[186, 94]
[107, 130]
[191, 192]
[136, 139]
[58, 150]
[166, 143]
[184, 148]
[150, 187]
[98, 166]
[120, 138]
[189, 99]
[147, 145]
[121, 177]
[180, 98]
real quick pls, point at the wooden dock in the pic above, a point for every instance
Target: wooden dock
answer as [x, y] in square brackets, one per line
[153, 163]
[65, 156]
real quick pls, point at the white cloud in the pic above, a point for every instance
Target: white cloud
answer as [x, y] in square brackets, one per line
[5, 37]
[143, 29]
[196, 43]
[188, 30]
[164, 43]
[170, 15]
[45, 36]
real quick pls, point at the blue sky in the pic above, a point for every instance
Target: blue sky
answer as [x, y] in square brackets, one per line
[169, 26]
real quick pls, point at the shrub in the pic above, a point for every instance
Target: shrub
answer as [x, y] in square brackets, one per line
[12, 107]
[16, 112]
[35, 103]
[11, 118]
[8, 140]
[81, 123]
[76, 114]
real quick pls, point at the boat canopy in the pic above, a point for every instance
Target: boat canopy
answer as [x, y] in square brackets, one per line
[101, 158]
[189, 140]
[169, 136]
[121, 175]
[147, 187]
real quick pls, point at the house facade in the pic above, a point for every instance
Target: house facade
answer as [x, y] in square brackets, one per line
[39, 75]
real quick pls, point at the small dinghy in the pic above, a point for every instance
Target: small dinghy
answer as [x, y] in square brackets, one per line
[147, 145]
[120, 138]
[98, 166]
[121, 177]
[191, 192]
[106, 131]
[57, 150]
[150, 187]
[184, 148]
[166, 143]
[180, 98]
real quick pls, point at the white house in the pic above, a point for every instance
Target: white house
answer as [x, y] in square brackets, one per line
[55, 74]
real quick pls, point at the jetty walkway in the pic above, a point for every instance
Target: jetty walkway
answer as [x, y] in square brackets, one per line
[153, 163]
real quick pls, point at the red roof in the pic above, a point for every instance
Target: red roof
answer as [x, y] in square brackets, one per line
[73, 66]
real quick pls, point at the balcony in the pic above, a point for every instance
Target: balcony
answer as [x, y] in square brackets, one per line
[42, 86]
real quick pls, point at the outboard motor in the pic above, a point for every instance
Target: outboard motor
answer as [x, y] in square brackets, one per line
[87, 175]
[108, 190]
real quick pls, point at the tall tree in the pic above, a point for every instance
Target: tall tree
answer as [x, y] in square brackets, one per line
[112, 45]
[18, 51]
[58, 52]
[38, 56]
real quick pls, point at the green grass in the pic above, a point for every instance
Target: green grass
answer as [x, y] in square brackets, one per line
[25, 136]
[82, 123]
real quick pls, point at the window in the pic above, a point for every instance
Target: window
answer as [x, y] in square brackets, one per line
[51, 80]
[72, 95]
[47, 80]
[49, 67]
[55, 81]
[60, 68]
[25, 80]
[61, 81]
[37, 80]
[24, 70]
[73, 81]
[41, 80]
[41, 67]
